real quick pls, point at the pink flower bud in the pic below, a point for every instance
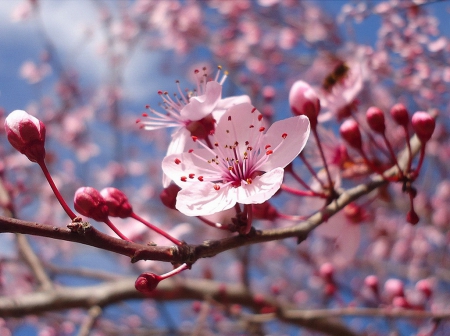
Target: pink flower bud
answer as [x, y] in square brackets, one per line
[90, 203]
[351, 134]
[371, 281]
[400, 302]
[304, 101]
[423, 124]
[412, 217]
[400, 114]
[393, 288]
[326, 272]
[169, 196]
[147, 282]
[264, 211]
[117, 203]
[425, 286]
[375, 119]
[26, 134]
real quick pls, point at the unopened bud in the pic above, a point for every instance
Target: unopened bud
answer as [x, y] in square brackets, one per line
[412, 217]
[423, 124]
[264, 211]
[425, 286]
[304, 101]
[393, 288]
[400, 114]
[169, 196]
[351, 134]
[371, 281]
[375, 119]
[90, 203]
[147, 282]
[326, 272]
[26, 134]
[117, 202]
[400, 302]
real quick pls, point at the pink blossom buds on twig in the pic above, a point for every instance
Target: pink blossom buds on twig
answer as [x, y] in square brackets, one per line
[400, 114]
[147, 282]
[351, 134]
[26, 134]
[118, 206]
[304, 101]
[90, 203]
[423, 124]
[117, 202]
[375, 119]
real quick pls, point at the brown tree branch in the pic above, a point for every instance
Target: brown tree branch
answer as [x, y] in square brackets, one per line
[168, 290]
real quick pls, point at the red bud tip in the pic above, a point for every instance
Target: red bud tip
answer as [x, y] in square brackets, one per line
[327, 271]
[371, 281]
[90, 203]
[375, 119]
[423, 124]
[411, 217]
[304, 101]
[425, 286]
[400, 114]
[117, 203]
[146, 282]
[351, 134]
[169, 195]
[26, 134]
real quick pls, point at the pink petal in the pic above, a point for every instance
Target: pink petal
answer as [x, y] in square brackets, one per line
[200, 106]
[297, 130]
[239, 123]
[262, 187]
[201, 199]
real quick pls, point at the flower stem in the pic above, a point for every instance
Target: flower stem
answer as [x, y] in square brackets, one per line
[248, 209]
[302, 192]
[116, 230]
[58, 195]
[391, 150]
[311, 170]
[214, 225]
[173, 272]
[322, 155]
[156, 229]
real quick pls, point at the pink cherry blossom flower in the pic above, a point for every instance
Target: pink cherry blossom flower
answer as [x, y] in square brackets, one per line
[245, 164]
[192, 113]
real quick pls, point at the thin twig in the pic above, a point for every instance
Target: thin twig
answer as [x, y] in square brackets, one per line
[86, 327]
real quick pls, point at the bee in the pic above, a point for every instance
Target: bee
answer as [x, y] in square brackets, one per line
[339, 72]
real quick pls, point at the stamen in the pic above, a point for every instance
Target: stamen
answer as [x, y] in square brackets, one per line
[183, 178]
[177, 161]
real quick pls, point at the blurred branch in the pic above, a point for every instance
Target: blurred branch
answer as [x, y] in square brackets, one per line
[168, 290]
[33, 262]
[93, 313]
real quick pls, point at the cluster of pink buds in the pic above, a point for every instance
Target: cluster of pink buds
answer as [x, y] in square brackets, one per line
[423, 125]
[111, 202]
[326, 272]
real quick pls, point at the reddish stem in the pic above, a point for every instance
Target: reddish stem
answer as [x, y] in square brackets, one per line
[408, 144]
[289, 168]
[58, 195]
[156, 229]
[419, 166]
[248, 209]
[214, 225]
[325, 165]
[116, 230]
[302, 192]
[311, 170]
[391, 150]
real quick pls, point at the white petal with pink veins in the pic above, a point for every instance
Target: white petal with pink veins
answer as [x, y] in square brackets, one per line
[200, 106]
[262, 187]
[202, 199]
[296, 131]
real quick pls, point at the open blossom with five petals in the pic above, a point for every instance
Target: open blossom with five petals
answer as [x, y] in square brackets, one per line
[192, 113]
[244, 166]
